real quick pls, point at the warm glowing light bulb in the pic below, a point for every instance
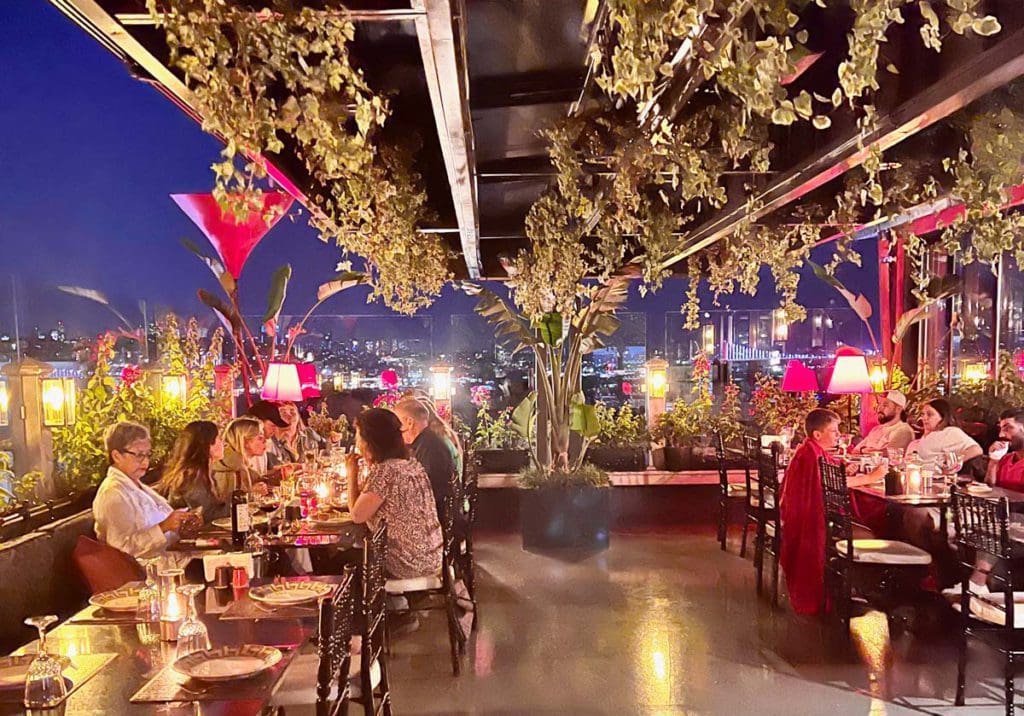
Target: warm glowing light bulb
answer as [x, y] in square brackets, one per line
[53, 397]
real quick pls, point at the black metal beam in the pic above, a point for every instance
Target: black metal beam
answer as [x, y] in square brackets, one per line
[526, 88]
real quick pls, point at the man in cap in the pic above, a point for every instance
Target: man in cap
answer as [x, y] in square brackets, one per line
[892, 430]
[274, 425]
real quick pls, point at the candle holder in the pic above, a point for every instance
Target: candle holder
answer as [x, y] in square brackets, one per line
[171, 614]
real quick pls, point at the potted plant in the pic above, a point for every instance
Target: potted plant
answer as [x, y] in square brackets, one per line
[622, 440]
[563, 502]
[499, 446]
[774, 409]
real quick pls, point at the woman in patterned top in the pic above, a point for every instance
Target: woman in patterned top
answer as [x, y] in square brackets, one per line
[397, 491]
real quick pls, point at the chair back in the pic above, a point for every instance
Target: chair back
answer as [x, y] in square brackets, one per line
[103, 567]
[723, 473]
[334, 639]
[374, 599]
[838, 509]
[471, 490]
[768, 475]
[751, 461]
[982, 524]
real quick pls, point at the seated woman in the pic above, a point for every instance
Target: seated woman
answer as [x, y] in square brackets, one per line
[397, 491]
[188, 478]
[244, 446]
[941, 435]
[131, 516]
[293, 442]
[802, 513]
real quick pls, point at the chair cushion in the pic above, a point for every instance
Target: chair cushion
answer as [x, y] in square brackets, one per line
[413, 584]
[883, 551]
[736, 490]
[769, 529]
[769, 503]
[103, 567]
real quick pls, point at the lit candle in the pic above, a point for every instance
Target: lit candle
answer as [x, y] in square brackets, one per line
[170, 616]
[913, 479]
[322, 491]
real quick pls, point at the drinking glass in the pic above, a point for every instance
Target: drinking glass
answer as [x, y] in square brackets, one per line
[192, 634]
[844, 442]
[44, 685]
[148, 609]
[895, 456]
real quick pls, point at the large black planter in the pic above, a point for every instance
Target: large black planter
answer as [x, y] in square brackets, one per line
[503, 462]
[617, 459]
[561, 518]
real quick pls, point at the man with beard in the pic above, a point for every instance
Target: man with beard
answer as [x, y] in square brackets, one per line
[1006, 455]
[892, 430]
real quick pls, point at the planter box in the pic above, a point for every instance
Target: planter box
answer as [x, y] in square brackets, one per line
[503, 461]
[561, 518]
[681, 459]
[617, 459]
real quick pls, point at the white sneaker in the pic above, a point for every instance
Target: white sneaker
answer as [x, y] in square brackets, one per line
[954, 592]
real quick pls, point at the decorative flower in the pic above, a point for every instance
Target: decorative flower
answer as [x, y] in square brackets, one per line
[389, 379]
[480, 395]
[387, 400]
[129, 375]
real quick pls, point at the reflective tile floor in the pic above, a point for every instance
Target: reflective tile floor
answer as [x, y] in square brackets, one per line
[666, 623]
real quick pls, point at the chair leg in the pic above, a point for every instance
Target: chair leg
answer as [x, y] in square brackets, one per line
[385, 687]
[743, 544]
[1008, 685]
[455, 639]
[775, 572]
[961, 662]
[759, 556]
[723, 513]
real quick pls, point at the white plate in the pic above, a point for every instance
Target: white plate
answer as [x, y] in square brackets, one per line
[979, 489]
[290, 593]
[224, 523]
[13, 670]
[125, 599]
[334, 518]
[228, 663]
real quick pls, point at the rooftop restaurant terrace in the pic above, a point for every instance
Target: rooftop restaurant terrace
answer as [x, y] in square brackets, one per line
[800, 490]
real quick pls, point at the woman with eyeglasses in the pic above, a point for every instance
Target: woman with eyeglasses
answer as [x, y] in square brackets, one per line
[244, 445]
[188, 477]
[129, 515]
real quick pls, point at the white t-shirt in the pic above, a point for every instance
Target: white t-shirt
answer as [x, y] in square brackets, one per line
[931, 447]
[896, 434]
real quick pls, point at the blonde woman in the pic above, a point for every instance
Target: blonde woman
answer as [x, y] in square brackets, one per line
[244, 461]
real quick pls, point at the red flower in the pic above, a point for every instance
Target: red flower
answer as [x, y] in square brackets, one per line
[129, 375]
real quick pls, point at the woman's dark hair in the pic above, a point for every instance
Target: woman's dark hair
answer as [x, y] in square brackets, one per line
[190, 457]
[944, 409]
[381, 430]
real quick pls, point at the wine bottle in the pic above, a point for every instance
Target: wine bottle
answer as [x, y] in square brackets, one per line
[241, 520]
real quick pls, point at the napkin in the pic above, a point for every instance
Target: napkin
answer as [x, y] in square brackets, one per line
[232, 559]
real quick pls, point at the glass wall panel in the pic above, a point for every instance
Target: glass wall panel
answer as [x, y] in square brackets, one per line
[972, 341]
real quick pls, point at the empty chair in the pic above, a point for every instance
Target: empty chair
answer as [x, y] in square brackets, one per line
[901, 565]
[769, 526]
[726, 494]
[982, 527]
[103, 567]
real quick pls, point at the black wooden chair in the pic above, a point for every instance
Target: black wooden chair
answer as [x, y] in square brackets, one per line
[751, 512]
[769, 527]
[896, 566]
[334, 639]
[435, 592]
[373, 665]
[982, 527]
[726, 495]
[464, 557]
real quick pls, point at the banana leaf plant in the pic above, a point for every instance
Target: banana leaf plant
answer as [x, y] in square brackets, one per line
[939, 288]
[857, 301]
[558, 343]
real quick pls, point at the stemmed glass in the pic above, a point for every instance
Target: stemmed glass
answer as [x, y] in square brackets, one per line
[44, 685]
[192, 634]
[951, 463]
[844, 442]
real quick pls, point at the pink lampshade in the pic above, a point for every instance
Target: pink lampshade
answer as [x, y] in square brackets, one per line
[798, 378]
[233, 240]
[309, 381]
[282, 383]
[849, 374]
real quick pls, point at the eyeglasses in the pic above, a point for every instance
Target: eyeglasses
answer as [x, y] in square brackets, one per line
[139, 455]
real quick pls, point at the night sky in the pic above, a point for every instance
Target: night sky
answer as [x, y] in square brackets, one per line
[88, 157]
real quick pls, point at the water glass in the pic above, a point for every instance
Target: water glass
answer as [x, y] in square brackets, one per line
[192, 634]
[148, 609]
[45, 686]
[895, 456]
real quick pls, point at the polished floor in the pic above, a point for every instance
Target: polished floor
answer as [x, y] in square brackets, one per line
[666, 623]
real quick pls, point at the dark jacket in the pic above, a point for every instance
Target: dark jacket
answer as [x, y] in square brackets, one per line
[432, 452]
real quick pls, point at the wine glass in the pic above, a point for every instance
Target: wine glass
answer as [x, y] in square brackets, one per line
[148, 609]
[895, 456]
[192, 634]
[844, 442]
[45, 686]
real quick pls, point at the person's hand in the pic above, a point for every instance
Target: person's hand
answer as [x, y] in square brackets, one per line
[998, 449]
[352, 461]
[851, 468]
[260, 488]
[174, 521]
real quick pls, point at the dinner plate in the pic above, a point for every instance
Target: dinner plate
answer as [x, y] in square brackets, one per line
[290, 593]
[979, 489]
[332, 518]
[228, 663]
[125, 599]
[13, 670]
[224, 523]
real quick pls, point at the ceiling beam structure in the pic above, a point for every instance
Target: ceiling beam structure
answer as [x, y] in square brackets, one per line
[969, 80]
[526, 88]
[441, 31]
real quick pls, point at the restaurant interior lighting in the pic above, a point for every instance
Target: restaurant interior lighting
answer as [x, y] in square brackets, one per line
[974, 372]
[59, 404]
[5, 404]
[780, 326]
[282, 383]
[879, 377]
[708, 338]
[798, 378]
[338, 381]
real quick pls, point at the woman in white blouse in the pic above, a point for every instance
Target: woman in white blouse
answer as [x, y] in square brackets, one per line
[941, 435]
[131, 516]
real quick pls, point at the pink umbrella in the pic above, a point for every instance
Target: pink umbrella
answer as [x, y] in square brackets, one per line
[233, 240]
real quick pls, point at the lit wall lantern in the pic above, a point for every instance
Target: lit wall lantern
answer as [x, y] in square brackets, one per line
[780, 326]
[173, 389]
[441, 382]
[282, 383]
[5, 405]
[338, 382]
[59, 402]
[879, 376]
[656, 388]
[974, 371]
[707, 334]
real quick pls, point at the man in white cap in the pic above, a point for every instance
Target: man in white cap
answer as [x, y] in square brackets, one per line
[892, 430]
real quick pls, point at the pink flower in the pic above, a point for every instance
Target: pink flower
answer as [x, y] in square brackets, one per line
[129, 375]
[480, 395]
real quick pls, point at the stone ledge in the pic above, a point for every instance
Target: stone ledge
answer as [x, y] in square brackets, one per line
[634, 479]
